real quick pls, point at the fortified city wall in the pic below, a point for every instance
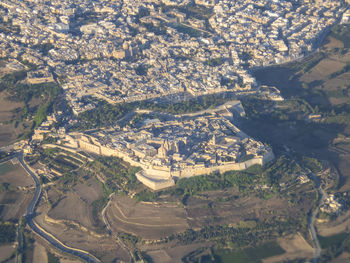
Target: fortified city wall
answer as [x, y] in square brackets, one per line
[158, 177]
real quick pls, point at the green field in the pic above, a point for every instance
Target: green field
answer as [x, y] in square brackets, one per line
[7, 232]
[329, 241]
[249, 254]
[6, 168]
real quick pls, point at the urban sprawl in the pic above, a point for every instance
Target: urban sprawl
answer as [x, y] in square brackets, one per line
[132, 50]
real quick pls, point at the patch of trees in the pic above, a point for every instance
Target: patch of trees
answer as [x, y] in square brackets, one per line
[44, 48]
[3, 155]
[187, 187]
[158, 30]
[188, 30]
[250, 254]
[284, 169]
[6, 187]
[105, 114]
[129, 238]
[345, 69]
[20, 92]
[81, 18]
[214, 62]
[196, 11]
[342, 33]
[226, 81]
[192, 105]
[339, 92]
[237, 236]
[246, 56]
[26, 252]
[7, 232]
[120, 176]
[97, 207]
[52, 258]
[256, 108]
[141, 13]
[8, 27]
[146, 195]
[142, 69]
[334, 246]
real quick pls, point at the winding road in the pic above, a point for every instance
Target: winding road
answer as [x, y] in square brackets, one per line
[312, 215]
[312, 218]
[42, 232]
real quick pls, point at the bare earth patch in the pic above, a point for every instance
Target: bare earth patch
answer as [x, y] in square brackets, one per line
[14, 204]
[39, 254]
[89, 191]
[343, 258]
[295, 247]
[15, 175]
[73, 234]
[6, 252]
[150, 221]
[14, 201]
[340, 225]
[323, 69]
[202, 211]
[160, 256]
[8, 133]
[334, 43]
[169, 253]
[73, 208]
[64, 257]
[76, 205]
[340, 81]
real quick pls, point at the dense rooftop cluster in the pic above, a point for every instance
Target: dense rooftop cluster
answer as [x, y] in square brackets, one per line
[185, 145]
[134, 50]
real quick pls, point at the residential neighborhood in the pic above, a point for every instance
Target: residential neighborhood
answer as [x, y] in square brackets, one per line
[125, 51]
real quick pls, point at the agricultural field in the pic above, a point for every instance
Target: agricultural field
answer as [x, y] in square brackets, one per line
[147, 220]
[71, 209]
[250, 254]
[16, 191]
[9, 128]
[23, 107]
[257, 215]
[294, 246]
[43, 253]
[6, 252]
[316, 85]
[257, 201]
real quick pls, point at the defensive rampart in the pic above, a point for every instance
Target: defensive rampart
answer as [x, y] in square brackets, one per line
[159, 177]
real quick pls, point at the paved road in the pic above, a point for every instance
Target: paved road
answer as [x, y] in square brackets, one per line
[6, 159]
[313, 214]
[40, 231]
[312, 218]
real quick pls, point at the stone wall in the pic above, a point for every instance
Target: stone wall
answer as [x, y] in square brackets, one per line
[157, 177]
[153, 184]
